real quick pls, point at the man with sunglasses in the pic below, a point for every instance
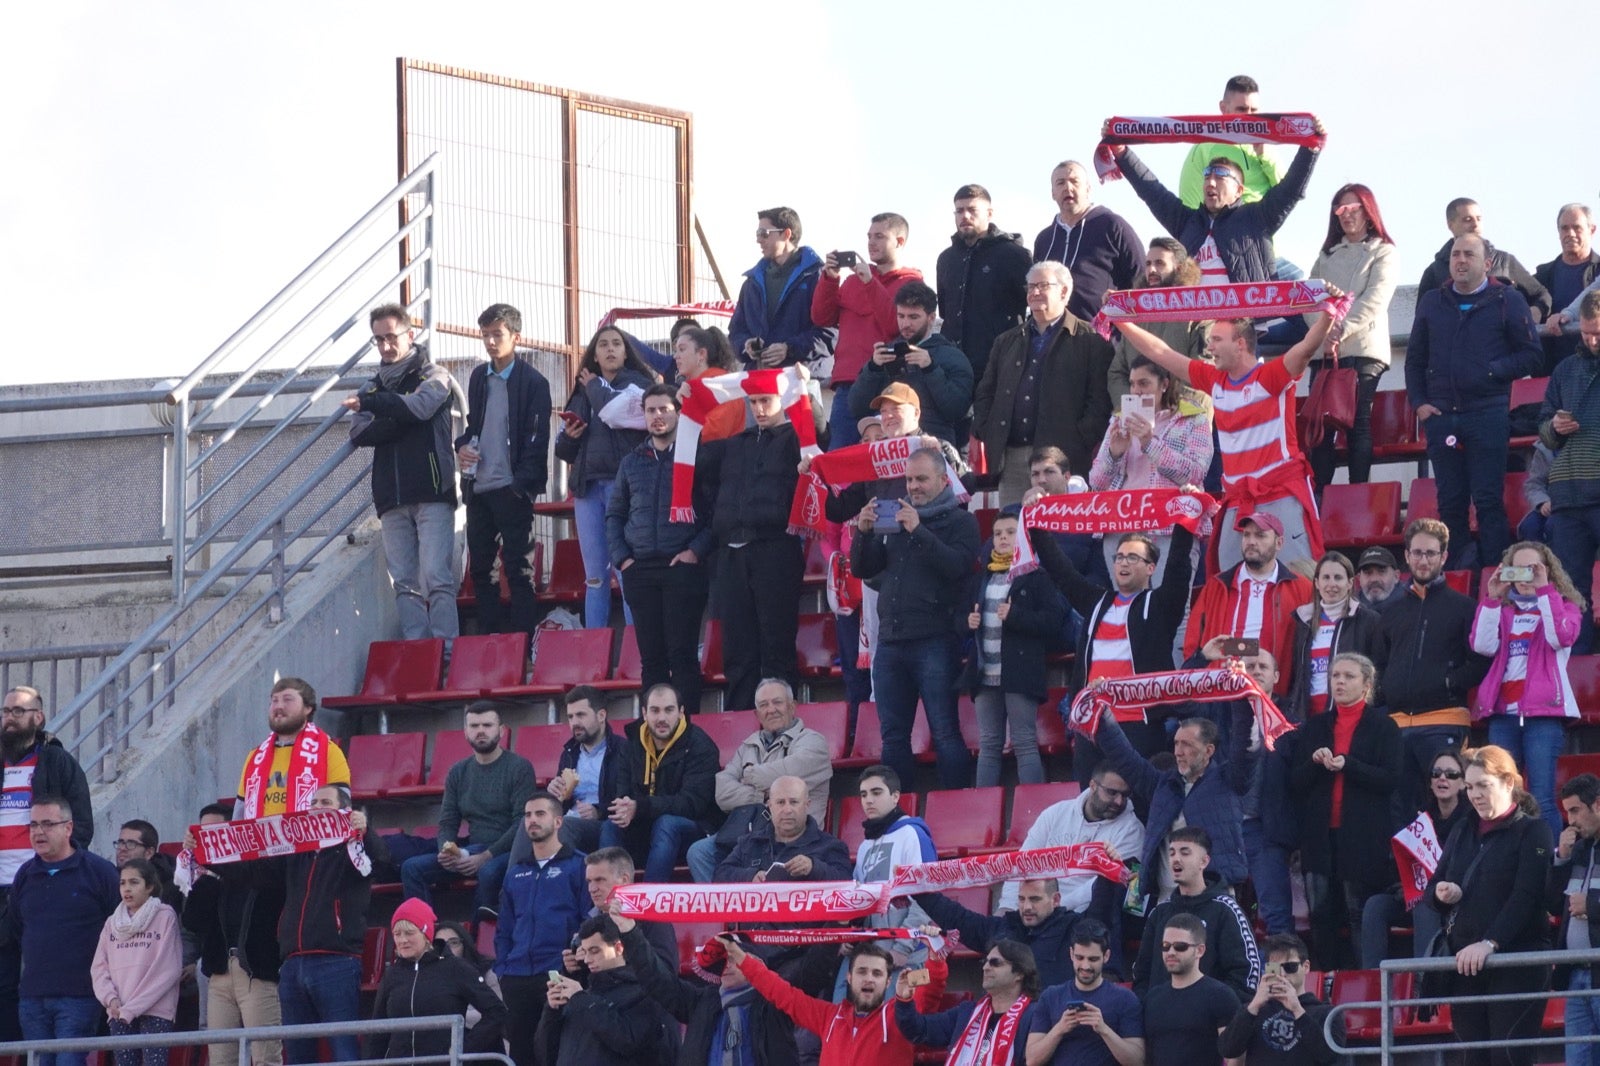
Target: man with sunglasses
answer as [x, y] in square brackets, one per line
[772, 324]
[1184, 1016]
[1282, 1023]
[1231, 955]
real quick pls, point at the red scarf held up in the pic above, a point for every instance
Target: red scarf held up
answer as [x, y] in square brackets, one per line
[1217, 685]
[1122, 511]
[976, 871]
[1203, 303]
[706, 393]
[308, 771]
[1288, 127]
[870, 461]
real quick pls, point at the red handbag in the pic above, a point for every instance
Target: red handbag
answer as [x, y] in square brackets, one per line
[1331, 404]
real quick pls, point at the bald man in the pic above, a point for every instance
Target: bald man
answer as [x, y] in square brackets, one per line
[790, 846]
[1095, 243]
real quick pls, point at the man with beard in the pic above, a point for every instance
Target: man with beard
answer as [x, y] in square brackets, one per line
[589, 774]
[1100, 812]
[1096, 244]
[403, 415]
[923, 358]
[668, 796]
[856, 1032]
[486, 790]
[1165, 264]
[35, 764]
[1184, 1018]
[286, 769]
[1256, 598]
[1039, 921]
[991, 1031]
[1088, 1021]
[981, 278]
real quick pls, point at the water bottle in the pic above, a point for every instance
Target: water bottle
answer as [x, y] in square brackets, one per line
[469, 470]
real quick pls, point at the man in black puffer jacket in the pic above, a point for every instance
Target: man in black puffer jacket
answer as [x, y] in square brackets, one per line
[760, 563]
[612, 1021]
[666, 586]
[981, 279]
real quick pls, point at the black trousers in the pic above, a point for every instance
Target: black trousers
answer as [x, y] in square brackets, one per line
[501, 521]
[1500, 1020]
[758, 589]
[525, 1005]
[668, 603]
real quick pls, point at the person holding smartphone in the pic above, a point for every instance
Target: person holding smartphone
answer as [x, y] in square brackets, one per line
[1283, 1023]
[1087, 1021]
[1527, 624]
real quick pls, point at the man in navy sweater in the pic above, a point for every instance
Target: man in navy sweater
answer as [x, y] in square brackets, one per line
[1095, 243]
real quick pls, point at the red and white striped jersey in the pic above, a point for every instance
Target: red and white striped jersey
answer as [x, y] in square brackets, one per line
[1254, 417]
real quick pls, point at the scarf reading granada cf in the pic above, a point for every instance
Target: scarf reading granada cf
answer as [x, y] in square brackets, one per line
[307, 772]
[870, 461]
[1200, 303]
[1290, 127]
[1118, 511]
[705, 393]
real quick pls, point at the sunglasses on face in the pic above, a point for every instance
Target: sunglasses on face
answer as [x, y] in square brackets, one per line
[1448, 775]
[1177, 948]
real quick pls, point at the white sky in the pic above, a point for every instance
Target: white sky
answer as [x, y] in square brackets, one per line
[172, 164]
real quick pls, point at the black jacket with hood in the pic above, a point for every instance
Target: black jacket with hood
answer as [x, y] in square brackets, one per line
[982, 291]
[1231, 953]
[434, 983]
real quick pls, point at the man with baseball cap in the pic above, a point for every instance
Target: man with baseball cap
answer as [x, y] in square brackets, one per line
[1378, 579]
[1255, 599]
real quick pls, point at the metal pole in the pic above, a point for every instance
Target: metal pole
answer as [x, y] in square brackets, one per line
[427, 267]
[1386, 1020]
[275, 609]
[180, 496]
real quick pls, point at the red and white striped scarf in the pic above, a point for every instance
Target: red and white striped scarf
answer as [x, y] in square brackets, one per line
[1293, 127]
[1118, 511]
[1216, 685]
[1202, 303]
[966, 1050]
[705, 393]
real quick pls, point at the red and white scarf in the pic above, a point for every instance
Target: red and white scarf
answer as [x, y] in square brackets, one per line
[872, 461]
[308, 771]
[1416, 853]
[783, 901]
[1202, 303]
[1291, 127]
[966, 1050]
[1218, 685]
[976, 871]
[938, 946]
[1124, 511]
[277, 834]
[705, 393]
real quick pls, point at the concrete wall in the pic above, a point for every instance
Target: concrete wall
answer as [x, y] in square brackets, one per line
[193, 755]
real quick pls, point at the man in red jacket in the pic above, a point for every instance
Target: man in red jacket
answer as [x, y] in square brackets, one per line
[862, 307]
[861, 1031]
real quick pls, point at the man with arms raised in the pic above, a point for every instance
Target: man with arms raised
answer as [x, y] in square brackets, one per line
[1087, 1021]
[1282, 1025]
[1039, 922]
[1240, 96]
[1093, 242]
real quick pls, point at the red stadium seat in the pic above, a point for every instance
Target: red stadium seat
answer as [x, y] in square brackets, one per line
[1030, 801]
[374, 957]
[832, 720]
[817, 642]
[979, 901]
[1423, 500]
[1584, 673]
[1394, 428]
[848, 828]
[1525, 391]
[1408, 1024]
[1570, 766]
[483, 936]
[395, 669]
[478, 665]
[1052, 730]
[711, 654]
[629, 673]
[541, 745]
[985, 517]
[968, 821]
[566, 574]
[1358, 516]
[564, 657]
[728, 729]
[565, 507]
[449, 748]
[1359, 986]
[382, 763]
[866, 747]
[967, 717]
[691, 936]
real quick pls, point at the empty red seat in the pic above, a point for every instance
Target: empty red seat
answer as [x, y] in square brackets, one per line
[849, 829]
[629, 673]
[374, 957]
[541, 745]
[1460, 580]
[1357, 516]
[563, 658]
[1423, 501]
[380, 764]
[967, 717]
[728, 729]
[1409, 1025]
[1570, 766]
[1359, 986]
[566, 574]
[1030, 801]
[966, 821]
[395, 669]
[866, 747]
[483, 936]
[979, 901]
[449, 748]
[479, 665]
[565, 507]
[1584, 673]
[985, 517]
[817, 642]
[1051, 729]
[1395, 434]
[711, 654]
[832, 720]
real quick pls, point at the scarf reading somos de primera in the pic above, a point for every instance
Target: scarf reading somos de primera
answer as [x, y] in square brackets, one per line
[1289, 127]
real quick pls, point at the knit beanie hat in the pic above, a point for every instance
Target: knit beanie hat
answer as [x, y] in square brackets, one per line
[418, 914]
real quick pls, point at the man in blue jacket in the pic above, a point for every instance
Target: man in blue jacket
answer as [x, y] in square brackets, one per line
[403, 415]
[502, 456]
[1471, 339]
[542, 904]
[665, 561]
[771, 323]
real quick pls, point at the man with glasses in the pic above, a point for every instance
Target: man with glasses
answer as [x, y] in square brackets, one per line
[1185, 1015]
[980, 278]
[138, 839]
[1426, 665]
[60, 899]
[34, 763]
[403, 415]
[1100, 813]
[1282, 1023]
[1088, 1021]
[1045, 384]
[991, 1031]
[771, 324]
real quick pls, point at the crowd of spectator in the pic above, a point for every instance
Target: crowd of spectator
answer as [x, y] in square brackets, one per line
[1001, 384]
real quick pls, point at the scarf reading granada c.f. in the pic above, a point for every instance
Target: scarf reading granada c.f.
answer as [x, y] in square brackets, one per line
[307, 772]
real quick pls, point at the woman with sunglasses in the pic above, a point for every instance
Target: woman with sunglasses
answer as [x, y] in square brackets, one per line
[1347, 766]
[1357, 257]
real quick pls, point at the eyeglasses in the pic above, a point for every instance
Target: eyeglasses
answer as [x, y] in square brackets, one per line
[1449, 775]
[391, 339]
[1114, 793]
[1127, 557]
[48, 825]
[1042, 286]
[125, 845]
[1176, 947]
[1418, 553]
[18, 712]
[1218, 172]
[764, 232]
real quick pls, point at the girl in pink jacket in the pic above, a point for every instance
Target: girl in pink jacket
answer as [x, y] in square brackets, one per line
[139, 963]
[1528, 628]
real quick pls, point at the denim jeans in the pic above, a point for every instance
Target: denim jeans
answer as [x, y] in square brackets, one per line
[500, 521]
[842, 430]
[320, 988]
[1575, 537]
[1388, 909]
[589, 513]
[1534, 743]
[420, 872]
[419, 543]
[705, 855]
[907, 670]
[58, 1018]
[857, 679]
[670, 837]
[579, 834]
[999, 713]
[1471, 471]
[1269, 873]
[1583, 1019]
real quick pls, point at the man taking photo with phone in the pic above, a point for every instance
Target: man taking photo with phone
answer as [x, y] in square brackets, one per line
[1282, 1023]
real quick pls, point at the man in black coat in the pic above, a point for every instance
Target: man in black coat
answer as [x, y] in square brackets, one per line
[981, 278]
[668, 799]
[1463, 216]
[789, 838]
[612, 1021]
[597, 755]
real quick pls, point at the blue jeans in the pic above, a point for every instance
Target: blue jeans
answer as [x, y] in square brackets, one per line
[841, 423]
[589, 512]
[705, 855]
[420, 872]
[1269, 873]
[59, 1018]
[320, 988]
[1534, 743]
[904, 671]
[1472, 472]
[670, 837]
[579, 834]
[1388, 909]
[857, 680]
[1575, 537]
[1583, 1019]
